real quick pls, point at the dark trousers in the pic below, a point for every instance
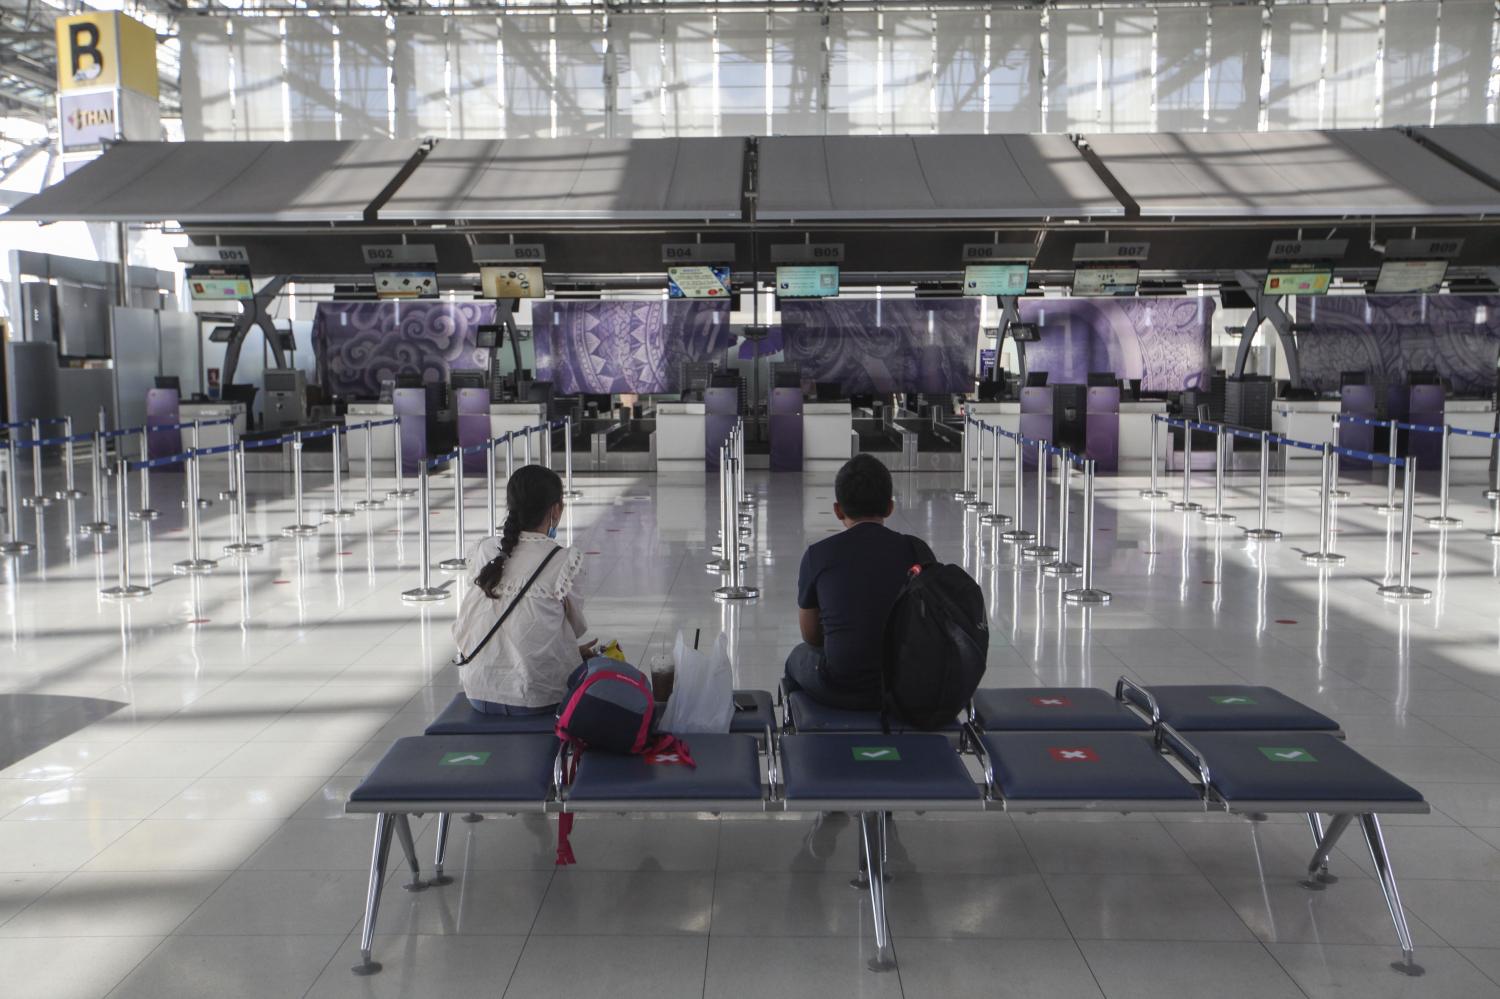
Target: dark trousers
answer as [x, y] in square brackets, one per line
[807, 671]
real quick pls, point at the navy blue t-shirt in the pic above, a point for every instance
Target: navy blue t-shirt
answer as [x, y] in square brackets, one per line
[852, 579]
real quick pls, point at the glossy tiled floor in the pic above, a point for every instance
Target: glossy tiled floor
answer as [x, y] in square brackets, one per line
[193, 843]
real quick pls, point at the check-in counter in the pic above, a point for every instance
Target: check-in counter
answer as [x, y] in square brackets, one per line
[1470, 414]
[1309, 420]
[209, 412]
[382, 439]
[680, 436]
[827, 434]
[1135, 431]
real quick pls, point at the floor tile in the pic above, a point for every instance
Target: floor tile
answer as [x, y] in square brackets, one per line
[989, 969]
[1138, 970]
[1366, 971]
[1353, 911]
[1144, 907]
[777, 967]
[417, 966]
[64, 845]
[69, 967]
[961, 905]
[605, 903]
[180, 845]
[109, 904]
[1104, 848]
[636, 967]
[268, 903]
[230, 967]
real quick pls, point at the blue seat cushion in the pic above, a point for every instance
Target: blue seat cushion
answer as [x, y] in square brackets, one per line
[462, 768]
[810, 716]
[1294, 766]
[727, 767]
[1054, 709]
[460, 718]
[874, 767]
[1236, 708]
[1092, 766]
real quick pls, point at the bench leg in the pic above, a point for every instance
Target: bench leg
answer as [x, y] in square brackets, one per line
[409, 848]
[1325, 845]
[872, 835]
[1382, 861]
[1321, 875]
[438, 877]
[380, 856]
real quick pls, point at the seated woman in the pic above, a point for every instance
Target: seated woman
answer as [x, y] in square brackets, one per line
[524, 667]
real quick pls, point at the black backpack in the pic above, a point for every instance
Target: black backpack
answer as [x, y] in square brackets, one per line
[937, 642]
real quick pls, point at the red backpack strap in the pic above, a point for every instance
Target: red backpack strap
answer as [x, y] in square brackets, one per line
[669, 745]
[565, 819]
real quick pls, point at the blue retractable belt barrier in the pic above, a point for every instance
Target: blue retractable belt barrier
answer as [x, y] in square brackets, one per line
[1425, 428]
[1364, 421]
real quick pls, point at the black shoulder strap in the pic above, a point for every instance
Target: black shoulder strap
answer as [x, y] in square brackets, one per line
[464, 660]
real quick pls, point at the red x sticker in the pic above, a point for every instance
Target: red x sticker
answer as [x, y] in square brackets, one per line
[665, 758]
[1051, 701]
[1074, 754]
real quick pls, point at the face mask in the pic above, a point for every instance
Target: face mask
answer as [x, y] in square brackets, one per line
[552, 532]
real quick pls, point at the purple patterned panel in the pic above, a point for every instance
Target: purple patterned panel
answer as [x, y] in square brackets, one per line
[879, 347]
[1390, 336]
[1161, 341]
[609, 347]
[361, 344]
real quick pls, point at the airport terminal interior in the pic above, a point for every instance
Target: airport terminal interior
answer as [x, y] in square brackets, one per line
[1176, 325]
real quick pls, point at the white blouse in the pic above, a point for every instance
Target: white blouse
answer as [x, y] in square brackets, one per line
[528, 662]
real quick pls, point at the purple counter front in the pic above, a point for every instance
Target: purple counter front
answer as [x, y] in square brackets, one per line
[721, 407]
[1357, 400]
[1428, 408]
[472, 406]
[1036, 417]
[1102, 429]
[786, 430]
[163, 410]
[410, 405]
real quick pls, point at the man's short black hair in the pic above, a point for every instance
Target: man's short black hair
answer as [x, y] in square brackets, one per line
[863, 488]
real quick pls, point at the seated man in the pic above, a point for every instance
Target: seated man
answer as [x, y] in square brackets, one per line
[845, 590]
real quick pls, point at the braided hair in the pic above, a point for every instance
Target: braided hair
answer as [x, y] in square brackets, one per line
[531, 492]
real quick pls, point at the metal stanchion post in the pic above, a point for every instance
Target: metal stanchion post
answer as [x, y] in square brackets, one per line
[1403, 590]
[458, 562]
[568, 490]
[964, 493]
[1017, 533]
[978, 502]
[995, 517]
[1062, 567]
[100, 524]
[1390, 505]
[1039, 549]
[203, 501]
[721, 564]
[69, 491]
[1445, 473]
[338, 512]
[298, 529]
[1333, 475]
[229, 492]
[1086, 594]
[426, 592]
[1494, 532]
[402, 491]
[1186, 504]
[1217, 514]
[13, 544]
[1325, 555]
[369, 502]
[491, 499]
[1493, 493]
[146, 512]
[37, 497]
[546, 449]
[124, 589]
[1264, 533]
[195, 562]
[1154, 492]
[526, 445]
[747, 502]
[736, 588]
[242, 545]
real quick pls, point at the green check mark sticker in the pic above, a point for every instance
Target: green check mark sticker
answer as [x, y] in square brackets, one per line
[876, 754]
[464, 759]
[1232, 699]
[1287, 754]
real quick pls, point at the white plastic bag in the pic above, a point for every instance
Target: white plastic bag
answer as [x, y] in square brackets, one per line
[702, 692]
